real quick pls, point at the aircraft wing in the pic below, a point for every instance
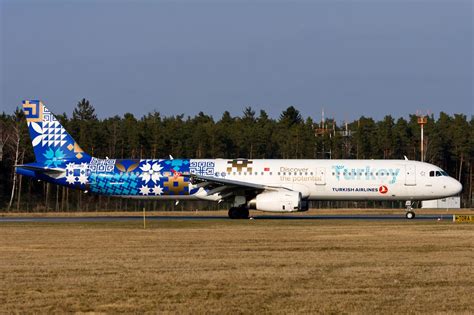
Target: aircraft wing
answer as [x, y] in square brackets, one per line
[218, 189]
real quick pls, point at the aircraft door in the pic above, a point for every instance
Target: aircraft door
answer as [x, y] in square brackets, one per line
[410, 175]
[320, 176]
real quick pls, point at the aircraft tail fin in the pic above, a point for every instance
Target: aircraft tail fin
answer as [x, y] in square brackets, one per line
[52, 144]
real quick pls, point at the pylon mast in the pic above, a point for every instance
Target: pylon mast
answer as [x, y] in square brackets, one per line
[422, 120]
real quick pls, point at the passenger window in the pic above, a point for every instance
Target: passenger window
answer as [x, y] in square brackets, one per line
[431, 173]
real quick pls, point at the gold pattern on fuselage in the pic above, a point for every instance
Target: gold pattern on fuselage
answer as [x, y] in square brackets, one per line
[130, 168]
[175, 185]
[239, 166]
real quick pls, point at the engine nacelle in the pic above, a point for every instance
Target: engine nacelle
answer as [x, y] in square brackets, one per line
[279, 201]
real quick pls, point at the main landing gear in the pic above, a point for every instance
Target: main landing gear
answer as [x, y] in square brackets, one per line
[410, 214]
[239, 212]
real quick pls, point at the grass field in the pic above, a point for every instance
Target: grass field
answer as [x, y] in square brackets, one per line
[445, 213]
[237, 266]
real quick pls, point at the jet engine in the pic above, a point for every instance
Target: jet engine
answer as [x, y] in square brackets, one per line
[279, 201]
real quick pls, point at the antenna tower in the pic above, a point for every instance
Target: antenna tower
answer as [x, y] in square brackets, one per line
[422, 120]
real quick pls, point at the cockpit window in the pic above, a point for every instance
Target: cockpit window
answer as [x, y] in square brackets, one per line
[438, 173]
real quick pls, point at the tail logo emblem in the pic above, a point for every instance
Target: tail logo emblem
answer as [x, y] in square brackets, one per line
[33, 111]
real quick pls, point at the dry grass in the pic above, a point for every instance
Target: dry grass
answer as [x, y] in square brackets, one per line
[351, 211]
[226, 266]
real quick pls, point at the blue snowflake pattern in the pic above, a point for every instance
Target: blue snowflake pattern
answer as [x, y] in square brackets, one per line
[177, 164]
[53, 158]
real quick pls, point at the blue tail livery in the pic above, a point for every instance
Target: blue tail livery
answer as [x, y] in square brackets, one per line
[51, 142]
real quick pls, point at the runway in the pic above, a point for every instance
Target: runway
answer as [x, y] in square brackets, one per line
[381, 217]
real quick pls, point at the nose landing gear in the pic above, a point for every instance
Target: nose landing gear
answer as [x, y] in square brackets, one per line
[410, 214]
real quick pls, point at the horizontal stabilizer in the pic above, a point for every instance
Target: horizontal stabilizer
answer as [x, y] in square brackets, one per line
[45, 170]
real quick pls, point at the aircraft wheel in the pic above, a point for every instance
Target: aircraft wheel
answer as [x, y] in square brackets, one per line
[244, 213]
[239, 213]
[410, 215]
[233, 213]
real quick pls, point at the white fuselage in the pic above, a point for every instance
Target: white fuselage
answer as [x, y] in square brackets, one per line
[344, 179]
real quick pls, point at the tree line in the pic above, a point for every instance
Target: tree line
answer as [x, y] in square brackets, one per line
[448, 143]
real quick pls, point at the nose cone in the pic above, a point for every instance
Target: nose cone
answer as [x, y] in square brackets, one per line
[455, 187]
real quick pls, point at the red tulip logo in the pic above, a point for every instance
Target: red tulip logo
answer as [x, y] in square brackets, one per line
[383, 189]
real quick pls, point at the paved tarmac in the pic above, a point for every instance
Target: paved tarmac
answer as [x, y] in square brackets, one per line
[211, 218]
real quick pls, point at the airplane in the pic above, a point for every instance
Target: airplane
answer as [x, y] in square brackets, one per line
[275, 185]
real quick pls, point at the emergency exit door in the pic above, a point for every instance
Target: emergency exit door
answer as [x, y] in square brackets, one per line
[410, 175]
[320, 176]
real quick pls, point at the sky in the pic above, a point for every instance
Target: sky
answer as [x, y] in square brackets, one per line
[350, 57]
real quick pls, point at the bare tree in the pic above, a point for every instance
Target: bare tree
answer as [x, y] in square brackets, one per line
[4, 137]
[20, 180]
[14, 146]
